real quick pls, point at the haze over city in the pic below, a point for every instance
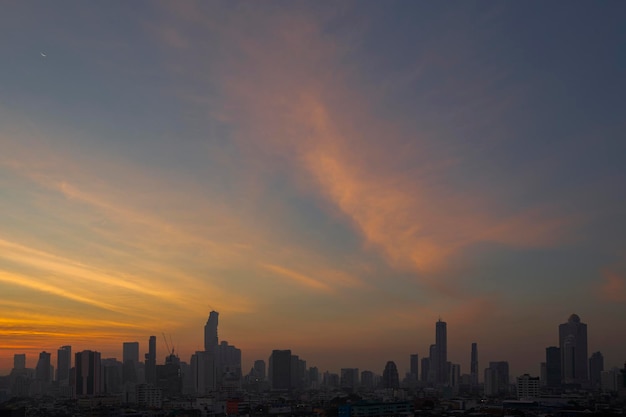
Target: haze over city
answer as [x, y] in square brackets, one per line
[333, 178]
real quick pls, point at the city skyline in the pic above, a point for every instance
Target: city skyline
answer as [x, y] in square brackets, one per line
[331, 178]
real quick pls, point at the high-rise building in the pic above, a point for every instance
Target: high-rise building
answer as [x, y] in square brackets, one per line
[130, 361]
[391, 378]
[474, 366]
[414, 363]
[19, 361]
[441, 353]
[553, 367]
[210, 332]
[573, 345]
[259, 369]
[497, 378]
[349, 379]
[527, 387]
[596, 366]
[425, 370]
[42, 371]
[64, 365]
[151, 377]
[280, 369]
[367, 380]
[203, 372]
[88, 379]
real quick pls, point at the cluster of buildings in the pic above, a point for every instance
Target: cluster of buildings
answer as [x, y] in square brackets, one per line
[213, 377]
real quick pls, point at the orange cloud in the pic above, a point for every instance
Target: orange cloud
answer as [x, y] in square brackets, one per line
[613, 287]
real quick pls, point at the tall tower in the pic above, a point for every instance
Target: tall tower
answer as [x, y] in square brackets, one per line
[151, 377]
[42, 372]
[210, 332]
[441, 353]
[88, 379]
[474, 365]
[414, 365]
[64, 365]
[573, 345]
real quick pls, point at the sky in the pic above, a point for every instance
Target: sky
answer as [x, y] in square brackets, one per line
[332, 177]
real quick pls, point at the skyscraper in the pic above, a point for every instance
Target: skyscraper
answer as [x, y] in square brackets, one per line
[474, 366]
[130, 361]
[391, 378]
[414, 366]
[210, 332]
[596, 366]
[42, 372]
[441, 353]
[573, 345]
[88, 380]
[19, 361]
[280, 369]
[151, 377]
[64, 365]
[553, 367]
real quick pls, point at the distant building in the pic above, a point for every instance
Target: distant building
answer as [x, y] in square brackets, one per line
[441, 353]
[280, 370]
[553, 367]
[391, 378]
[527, 387]
[497, 379]
[19, 361]
[42, 371]
[64, 365]
[210, 332]
[150, 363]
[596, 366]
[149, 396]
[367, 380]
[425, 370]
[573, 345]
[414, 363]
[203, 373]
[130, 361]
[88, 378]
[474, 365]
[259, 370]
[349, 379]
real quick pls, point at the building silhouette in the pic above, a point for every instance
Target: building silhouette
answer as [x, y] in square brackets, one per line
[573, 345]
[527, 387]
[414, 366]
[88, 378]
[596, 366]
[553, 367]
[441, 368]
[497, 378]
[474, 365]
[150, 364]
[42, 371]
[64, 365]
[391, 378]
[280, 370]
[130, 361]
[210, 332]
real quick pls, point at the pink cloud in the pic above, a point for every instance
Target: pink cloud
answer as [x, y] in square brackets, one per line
[613, 287]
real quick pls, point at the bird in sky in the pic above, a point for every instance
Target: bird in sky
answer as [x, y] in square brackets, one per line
[42, 54]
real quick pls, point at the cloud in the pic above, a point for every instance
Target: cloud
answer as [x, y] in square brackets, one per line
[613, 287]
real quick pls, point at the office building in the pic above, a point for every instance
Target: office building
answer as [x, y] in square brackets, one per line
[596, 366]
[64, 365]
[527, 387]
[349, 380]
[280, 370]
[130, 361]
[19, 361]
[553, 367]
[414, 366]
[259, 369]
[425, 370]
[573, 345]
[441, 370]
[497, 379]
[391, 378]
[474, 366]
[88, 379]
[203, 373]
[210, 332]
[150, 363]
[42, 371]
